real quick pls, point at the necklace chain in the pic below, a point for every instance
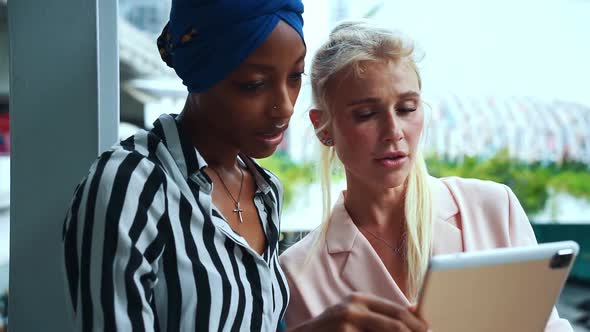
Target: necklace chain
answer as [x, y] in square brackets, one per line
[238, 209]
[397, 250]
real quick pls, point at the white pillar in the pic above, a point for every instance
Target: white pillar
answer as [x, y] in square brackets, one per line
[64, 99]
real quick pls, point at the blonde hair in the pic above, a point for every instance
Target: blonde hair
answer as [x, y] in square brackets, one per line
[349, 46]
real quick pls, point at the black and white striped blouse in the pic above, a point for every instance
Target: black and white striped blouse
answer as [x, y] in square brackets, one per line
[146, 249]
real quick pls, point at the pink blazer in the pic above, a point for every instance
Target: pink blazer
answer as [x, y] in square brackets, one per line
[470, 215]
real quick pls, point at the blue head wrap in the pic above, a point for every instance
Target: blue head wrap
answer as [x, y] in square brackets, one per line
[205, 40]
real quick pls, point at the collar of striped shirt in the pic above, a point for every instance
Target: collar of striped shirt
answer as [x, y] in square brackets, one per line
[190, 161]
[192, 164]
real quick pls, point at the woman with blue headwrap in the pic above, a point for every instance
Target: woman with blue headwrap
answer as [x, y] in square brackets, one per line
[177, 228]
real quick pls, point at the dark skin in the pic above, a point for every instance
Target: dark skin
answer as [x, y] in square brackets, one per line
[246, 113]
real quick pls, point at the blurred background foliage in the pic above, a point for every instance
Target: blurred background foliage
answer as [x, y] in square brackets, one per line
[290, 173]
[531, 182]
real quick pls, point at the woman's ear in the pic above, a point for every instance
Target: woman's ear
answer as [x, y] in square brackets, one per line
[315, 116]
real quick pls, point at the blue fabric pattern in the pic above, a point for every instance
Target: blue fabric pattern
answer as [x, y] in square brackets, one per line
[206, 40]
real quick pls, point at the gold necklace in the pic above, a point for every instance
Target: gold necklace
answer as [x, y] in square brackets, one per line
[238, 209]
[396, 250]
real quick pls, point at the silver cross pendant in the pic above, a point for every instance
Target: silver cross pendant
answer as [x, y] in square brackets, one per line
[239, 210]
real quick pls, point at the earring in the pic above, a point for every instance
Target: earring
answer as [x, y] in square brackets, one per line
[327, 141]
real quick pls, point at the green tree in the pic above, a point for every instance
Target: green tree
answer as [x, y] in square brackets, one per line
[529, 181]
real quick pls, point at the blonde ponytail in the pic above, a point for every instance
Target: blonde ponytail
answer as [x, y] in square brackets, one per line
[418, 215]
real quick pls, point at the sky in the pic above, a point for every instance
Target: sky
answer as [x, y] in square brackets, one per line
[498, 48]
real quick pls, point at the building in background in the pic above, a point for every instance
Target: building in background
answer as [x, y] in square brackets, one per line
[531, 129]
[146, 15]
[148, 86]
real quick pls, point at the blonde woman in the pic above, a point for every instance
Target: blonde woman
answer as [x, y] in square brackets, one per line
[376, 241]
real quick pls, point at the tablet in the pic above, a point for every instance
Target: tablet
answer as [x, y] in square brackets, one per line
[507, 289]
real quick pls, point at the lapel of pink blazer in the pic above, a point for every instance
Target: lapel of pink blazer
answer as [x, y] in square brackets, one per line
[482, 213]
[362, 269]
[447, 235]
